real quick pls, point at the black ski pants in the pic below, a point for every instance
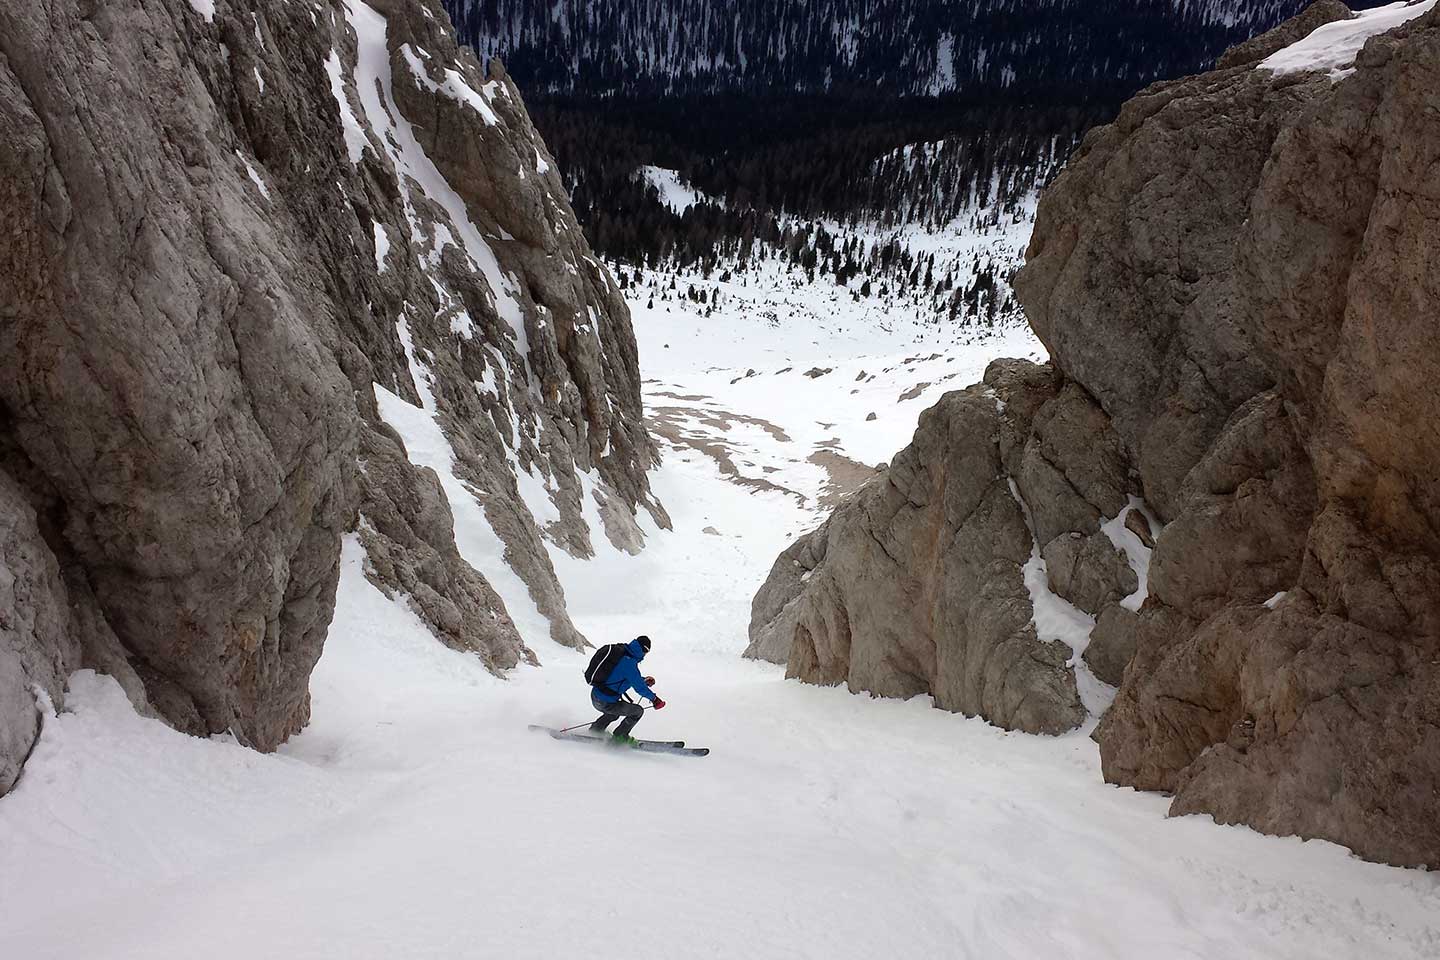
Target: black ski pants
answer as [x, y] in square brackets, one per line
[610, 712]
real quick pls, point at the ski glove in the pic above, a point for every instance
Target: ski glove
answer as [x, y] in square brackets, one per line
[659, 704]
[649, 681]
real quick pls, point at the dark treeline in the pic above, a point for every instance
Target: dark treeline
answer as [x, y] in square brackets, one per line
[971, 290]
[883, 113]
[808, 156]
[895, 47]
[806, 161]
[801, 107]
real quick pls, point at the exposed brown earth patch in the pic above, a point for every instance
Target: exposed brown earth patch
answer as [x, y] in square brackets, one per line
[671, 423]
[687, 397]
[845, 475]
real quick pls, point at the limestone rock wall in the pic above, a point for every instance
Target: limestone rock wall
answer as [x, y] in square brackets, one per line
[1288, 660]
[916, 583]
[1239, 284]
[234, 247]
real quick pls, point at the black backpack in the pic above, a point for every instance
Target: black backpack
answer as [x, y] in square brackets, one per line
[603, 663]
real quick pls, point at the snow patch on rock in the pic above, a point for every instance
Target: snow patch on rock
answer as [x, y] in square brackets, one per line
[1332, 48]
[382, 246]
[254, 175]
[355, 141]
[454, 86]
[475, 538]
[1056, 618]
[373, 83]
[1135, 551]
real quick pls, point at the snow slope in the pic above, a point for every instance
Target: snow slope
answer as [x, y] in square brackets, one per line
[416, 817]
[675, 193]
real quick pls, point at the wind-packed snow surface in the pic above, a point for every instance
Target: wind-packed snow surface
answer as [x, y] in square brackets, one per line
[417, 817]
[1332, 48]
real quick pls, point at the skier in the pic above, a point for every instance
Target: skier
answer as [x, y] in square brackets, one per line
[609, 686]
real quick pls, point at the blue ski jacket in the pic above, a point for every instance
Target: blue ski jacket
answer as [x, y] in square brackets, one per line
[625, 676]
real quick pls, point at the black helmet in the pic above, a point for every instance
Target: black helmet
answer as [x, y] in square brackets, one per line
[644, 642]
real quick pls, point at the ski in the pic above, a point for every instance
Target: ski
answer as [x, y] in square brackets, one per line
[644, 746]
[590, 736]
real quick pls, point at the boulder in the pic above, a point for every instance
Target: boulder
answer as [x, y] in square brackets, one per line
[1088, 570]
[1112, 644]
[914, 584]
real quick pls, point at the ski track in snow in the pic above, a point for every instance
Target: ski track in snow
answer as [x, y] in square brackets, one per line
[417, 817]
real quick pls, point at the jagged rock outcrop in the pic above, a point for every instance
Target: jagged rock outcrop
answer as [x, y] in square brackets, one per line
[916, 584]
[1089, 571]
[263, 267]
[947, 573]
[35, 644]
[1298, 27]
[1273, 296]
[1238, 284]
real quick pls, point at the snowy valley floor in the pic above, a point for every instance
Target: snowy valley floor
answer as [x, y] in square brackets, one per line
[417, 817]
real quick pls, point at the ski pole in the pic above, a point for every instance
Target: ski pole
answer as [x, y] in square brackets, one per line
[583, 723]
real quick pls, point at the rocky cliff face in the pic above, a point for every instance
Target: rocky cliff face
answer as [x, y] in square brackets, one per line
[1237, 282]
[923, 580]
[250, 251]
